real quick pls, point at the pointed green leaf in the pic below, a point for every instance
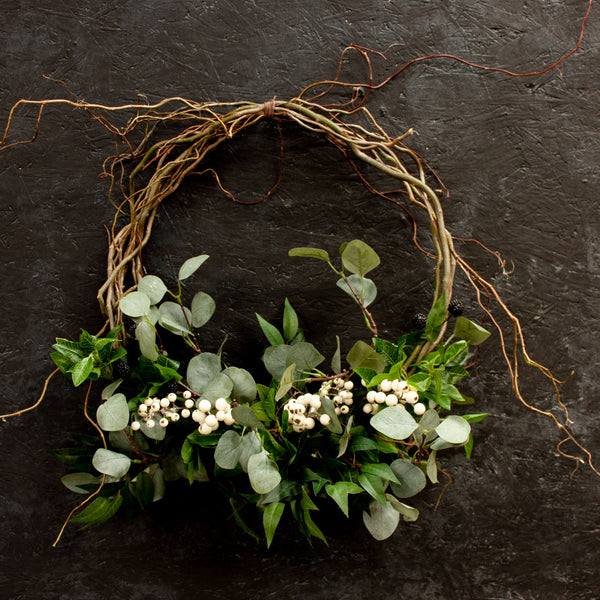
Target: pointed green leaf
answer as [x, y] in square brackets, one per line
[80, 483]
[339, 492]
[310, 253]
[472, 333]
[436, 318]
[287, 380]
[336, 361]
[290, 321]
[363, 356]
[271, 332]
[82, 370]
[98, 510]
[246, 417]
[271, 517]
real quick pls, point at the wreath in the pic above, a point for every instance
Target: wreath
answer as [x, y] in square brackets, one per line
[363, 433]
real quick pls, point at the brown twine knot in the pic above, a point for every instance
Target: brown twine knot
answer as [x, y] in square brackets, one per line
[269, 108]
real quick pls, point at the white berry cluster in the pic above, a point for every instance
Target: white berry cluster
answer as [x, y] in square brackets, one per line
[340, 392]
[163, 410]
[392, 393]
[304, 412]
[208, 416]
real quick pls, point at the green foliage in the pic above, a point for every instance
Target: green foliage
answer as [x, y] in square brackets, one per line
[302, 438]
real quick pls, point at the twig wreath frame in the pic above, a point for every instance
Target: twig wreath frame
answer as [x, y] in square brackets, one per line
[370, 431]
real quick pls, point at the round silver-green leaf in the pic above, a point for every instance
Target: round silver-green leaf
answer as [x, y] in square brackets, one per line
[412, 479]
[201, 370]
[219, 386]
[381, 521]
[153, 287]
[454, 430]
[203, 308]
[394, 422]
[244, 386]
[263, 474]
[175, 318]
[228, 450]
[111, 463]
[135, 304]
[113, 414]
[74, 481]
[145, 334]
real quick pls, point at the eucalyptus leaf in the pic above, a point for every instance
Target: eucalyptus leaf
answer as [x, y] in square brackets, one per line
[154, 433]
[275, 359]
[412, 479]
[394, 422]
[454, 430]
[244, 386]
[432, 467]
[472, 333]
[175, 318]
[75, 481]
[135, 304]
[365, 288]
[191, 265]
[153, 287]
[111, 463]
[305, 356]
[381, 521]
[110, 389]
[228, 450]
[409, 513]
[220, 386]
[430, 420]
[113, 414]
[263, 474]
[203, 308]
[246, 417]
[145, 334]
[201, 370]
[359, 257]
[363, 356]
[250, 446]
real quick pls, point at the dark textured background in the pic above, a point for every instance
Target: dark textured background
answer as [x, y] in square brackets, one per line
[520, 157]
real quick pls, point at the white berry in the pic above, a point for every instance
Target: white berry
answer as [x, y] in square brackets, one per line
[411, 397]
[419, 408]
[309, 423]
[385, 385]
[325, 420]
[187, 394]
[204, 429]
[372, 396]
[163, 422]
[150, 423]
[135, 425]
[380, 397]
[211, 420]
[368, 408]
[348, 385]
[165, 402]
[344, 409]
[204, 405]
[220, 415]
[185, 413]
[391, 400]
[172, 397]
[221, 404]
[175, 417]
[189, 403]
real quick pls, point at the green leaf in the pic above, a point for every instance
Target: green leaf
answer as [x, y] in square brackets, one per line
[454, 429]
[110, 389]
[246, 417]
[271, 332]
[286, 383]
[339, 492]
[381, 520]
[412, 479]
[228, 450]
[82, 370]
[69, 348]
[382, 470]
[456, 351]
[388, 350]
[113, 414]
[153, 287]
[145, 334]
[135, 304]
[436, 318]
[244, 386]
[175, 318]
[98, 510]
[359, 257]
[305, 356]
[290, 321]
[432, 467]
[420, 381]
[365, 288]
[263, 474]
[76, 482]
[201, 370]
[471, 332]
[394, 422]
[363, 356]
[111, 463]
[250, 447]
[475, 418]
[144, 489]
[336, 361]
[203, 308]
[310, 253]
[313, 530]
[469, 446]
[271, 517]
[191, 265]
[345, 439]
[373, 485]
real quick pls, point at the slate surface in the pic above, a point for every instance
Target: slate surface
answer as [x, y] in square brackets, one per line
[520, 157]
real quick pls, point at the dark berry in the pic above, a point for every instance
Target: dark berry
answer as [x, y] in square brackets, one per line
[130, 328]
[121, 369]
[419, 321]
[456, 308]
[170, 386]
